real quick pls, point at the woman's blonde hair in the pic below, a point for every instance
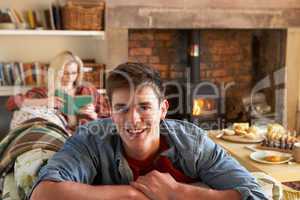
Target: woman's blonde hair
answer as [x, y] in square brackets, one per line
[60, 61]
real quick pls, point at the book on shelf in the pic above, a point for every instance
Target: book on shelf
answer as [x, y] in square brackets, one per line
[94, 73]
[49, 18]
[18, 77]
[31, 19]
[35, 74]
[57, 17]
[18, 73]
[13, 16]
[8, 79]
[1, 74]
[22, 73]
[19, 16]
[4, 16]
[28, 79]
[51, 15]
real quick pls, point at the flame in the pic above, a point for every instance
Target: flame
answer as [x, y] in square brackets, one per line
[202, 106]
[198, 106]
[209, 105]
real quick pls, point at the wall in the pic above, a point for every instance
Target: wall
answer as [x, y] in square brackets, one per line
[292, 92]
[165, 50]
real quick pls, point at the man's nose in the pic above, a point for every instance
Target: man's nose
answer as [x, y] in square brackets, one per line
[134, 116]
[66, 78]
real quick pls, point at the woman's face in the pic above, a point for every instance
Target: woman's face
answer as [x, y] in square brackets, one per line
[70, 74]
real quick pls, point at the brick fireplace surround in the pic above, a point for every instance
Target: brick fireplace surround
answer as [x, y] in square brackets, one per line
[149, 32]
[226, 60]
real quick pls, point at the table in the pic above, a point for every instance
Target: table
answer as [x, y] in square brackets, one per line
[282, 172]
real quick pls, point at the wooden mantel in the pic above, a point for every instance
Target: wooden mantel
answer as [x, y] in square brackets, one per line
[203, 14]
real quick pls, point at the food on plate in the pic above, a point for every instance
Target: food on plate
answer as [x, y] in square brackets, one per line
[276, 158]
[250, 136]
[240, 132]
[242, 129]
[253, 130]
[278, 137]
[276, 129]
[241, 126]
[272, 158]
[228, 132]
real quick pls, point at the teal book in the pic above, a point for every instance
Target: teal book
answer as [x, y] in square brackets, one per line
[72, 104]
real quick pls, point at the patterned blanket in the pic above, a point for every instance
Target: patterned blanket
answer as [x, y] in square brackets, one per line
[23, 152]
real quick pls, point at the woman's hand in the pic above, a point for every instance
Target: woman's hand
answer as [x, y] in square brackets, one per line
[89, 110]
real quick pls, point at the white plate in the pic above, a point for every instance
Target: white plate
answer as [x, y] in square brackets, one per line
[259, 156]
[241, 139]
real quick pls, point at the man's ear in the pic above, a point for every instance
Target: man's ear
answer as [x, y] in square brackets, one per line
[164, 109]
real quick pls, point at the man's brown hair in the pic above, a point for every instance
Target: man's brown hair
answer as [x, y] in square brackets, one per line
[133, 75]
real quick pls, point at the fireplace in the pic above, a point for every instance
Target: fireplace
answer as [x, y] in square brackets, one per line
[197, 103]
[211, 75]
[194, 100]
[242, 53]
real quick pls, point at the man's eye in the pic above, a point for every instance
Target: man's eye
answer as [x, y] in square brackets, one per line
[121, 109]
[145, 108]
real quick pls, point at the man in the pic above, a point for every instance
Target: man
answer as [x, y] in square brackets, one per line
[139, 155]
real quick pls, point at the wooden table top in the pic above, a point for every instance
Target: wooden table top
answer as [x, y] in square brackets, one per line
[281, 172]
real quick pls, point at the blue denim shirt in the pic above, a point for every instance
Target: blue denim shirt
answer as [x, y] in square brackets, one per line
[94, 156]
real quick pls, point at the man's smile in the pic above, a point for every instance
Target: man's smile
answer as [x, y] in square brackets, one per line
[133, 133]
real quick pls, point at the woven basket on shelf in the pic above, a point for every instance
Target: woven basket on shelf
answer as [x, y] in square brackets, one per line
[83, 16]
[290, 194]
[94, 74]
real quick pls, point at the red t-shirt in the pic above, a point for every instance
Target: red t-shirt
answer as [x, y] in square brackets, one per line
[160, 163]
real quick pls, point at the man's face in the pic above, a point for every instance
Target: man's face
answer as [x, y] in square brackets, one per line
[137, 117]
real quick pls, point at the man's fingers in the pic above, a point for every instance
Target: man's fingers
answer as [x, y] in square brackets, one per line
[142, 188]
[142, 180]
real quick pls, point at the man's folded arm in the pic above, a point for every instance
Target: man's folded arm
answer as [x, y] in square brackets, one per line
[49, 190]
[192, 192]
[222, 172]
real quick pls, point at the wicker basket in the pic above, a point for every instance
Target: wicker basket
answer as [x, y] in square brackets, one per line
[83, 17]
[290, 194]
[94, 74]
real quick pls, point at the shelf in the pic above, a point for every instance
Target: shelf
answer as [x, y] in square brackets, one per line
[100, 34]
[13, 90]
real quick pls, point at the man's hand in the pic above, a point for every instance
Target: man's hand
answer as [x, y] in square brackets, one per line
[162, 186]
[157, 185]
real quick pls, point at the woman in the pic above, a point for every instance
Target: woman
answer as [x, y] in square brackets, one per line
[37, 130]
[65, 74]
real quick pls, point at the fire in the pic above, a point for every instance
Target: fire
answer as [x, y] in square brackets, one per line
[198, 106]
[202, 106]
